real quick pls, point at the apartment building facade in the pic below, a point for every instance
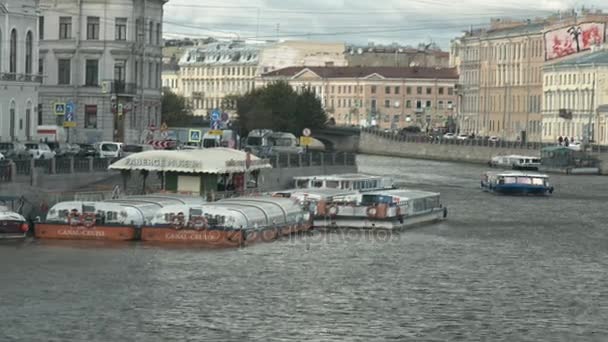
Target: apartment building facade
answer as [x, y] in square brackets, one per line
[103, 58]
[19, 78]
[501, 70]
[574, 92]
[385, 97]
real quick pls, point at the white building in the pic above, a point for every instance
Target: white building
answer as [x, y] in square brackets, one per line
[210, 73]
[576, 87]
[19, 79]
[294, 53]
[105, 57]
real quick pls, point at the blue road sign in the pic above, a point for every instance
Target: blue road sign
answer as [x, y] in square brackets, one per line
[215, 124]
[69, 111]
[215, 115]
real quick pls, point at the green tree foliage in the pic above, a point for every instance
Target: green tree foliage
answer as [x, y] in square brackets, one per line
[278, 107]
[175, 111]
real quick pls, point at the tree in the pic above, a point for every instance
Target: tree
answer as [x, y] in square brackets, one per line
[278, 107]
[175, 111]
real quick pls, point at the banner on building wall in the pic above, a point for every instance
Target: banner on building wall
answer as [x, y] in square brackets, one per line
[569, 40]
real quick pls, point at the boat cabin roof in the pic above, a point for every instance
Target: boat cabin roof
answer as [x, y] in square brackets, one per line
[345, 176]
[403, 194]
[322, 192]
[516, 174]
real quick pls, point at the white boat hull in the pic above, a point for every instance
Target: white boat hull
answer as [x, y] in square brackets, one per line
[388, 224]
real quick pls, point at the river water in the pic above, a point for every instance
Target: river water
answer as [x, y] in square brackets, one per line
[499, 269]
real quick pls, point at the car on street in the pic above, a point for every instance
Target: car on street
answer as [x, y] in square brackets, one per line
[109, 149]
[493, 139]
[575, 146]
[39, 150]
[60, 149]
[449, 136]
[14, 151]
[462, 137]
[86, 150]
[128, 150]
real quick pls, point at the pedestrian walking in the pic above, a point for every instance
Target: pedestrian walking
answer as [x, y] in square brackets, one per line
[566, 142]
[560, 140]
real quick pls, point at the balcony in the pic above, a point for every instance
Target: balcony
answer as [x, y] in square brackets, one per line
[5, 76]
[123, 88]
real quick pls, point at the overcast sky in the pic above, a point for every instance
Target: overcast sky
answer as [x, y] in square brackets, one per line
[351, 21]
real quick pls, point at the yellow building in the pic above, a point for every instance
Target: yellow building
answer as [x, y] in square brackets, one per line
[386, 97]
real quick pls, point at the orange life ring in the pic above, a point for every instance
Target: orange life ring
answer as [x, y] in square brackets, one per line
[178, 221]
[333, 210]
[89, 219]
[372, 212]
[200, 222]
[71, 216]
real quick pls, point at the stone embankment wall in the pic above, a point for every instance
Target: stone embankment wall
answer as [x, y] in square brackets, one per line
[379, 145]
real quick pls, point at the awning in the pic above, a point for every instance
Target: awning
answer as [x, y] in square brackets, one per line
[212, 160]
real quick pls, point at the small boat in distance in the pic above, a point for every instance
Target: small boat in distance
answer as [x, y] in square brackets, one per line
[516, 183]
[516, 162]
[386, 209]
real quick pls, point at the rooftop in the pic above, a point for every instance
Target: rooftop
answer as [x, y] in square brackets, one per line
[363, 72]
[598, 57]
[223, 53]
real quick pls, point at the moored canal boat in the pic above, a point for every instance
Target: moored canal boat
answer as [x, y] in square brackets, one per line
[227, 223]
[516, 183]
[389, 209]
[12, 225]
[516, 162]
[346, 181]
[114, 220]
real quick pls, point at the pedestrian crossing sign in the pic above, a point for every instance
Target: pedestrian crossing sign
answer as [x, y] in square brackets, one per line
[194, 136]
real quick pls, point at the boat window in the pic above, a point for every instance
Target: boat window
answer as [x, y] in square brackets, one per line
[345, 185]
[254, 141]
[419, 205]
[432, 202]
[285, 142]
[524, 180]
[302, 183]
[509, 180]
[538, 181]
[332, 184]
[63, 213]
[88, 209]
[317, 184]
[196, 212]
[375, 199]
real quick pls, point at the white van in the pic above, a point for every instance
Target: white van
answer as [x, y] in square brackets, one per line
[109, 149]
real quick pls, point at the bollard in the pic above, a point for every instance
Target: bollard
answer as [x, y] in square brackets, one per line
[91, 164]
[53, 169]
[13, 171]
[71, 164]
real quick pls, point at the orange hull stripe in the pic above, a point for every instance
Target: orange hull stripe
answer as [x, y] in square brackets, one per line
[67, 232]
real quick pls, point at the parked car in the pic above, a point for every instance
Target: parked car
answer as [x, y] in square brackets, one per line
[462, 137]
[14, 151]
[40, 150]
[86, 150]
[449, 136]
[2, 157]
[575, 146]
[60, 149]
[131, 149]
[109, 149]
[493, 139]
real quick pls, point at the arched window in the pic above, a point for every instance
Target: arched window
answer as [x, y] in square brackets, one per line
[28, 52]
[12, 131]
[12, 66]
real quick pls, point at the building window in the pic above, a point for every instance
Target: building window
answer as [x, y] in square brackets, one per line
[418, 104]
[157, 78]
[39, 114]
[136, 81]
[93, 28]
[13, 53]
[64, 72]
[120, 29]
[373, 103]
[150, 75]
[29, 50]
[158, 31]
[408, 104]
[450, 91]
[90, 116]
[139, 35]
[92, 72]
[119, 71]
[450, 104]
[387, 90]
[65, 27]
[397, 90]
[387, 103]
[408, 90]
[440, 104]
[373, 89]
[428, 104]
[419, 90]
[429, 91]
[41, 28]
[150, 32]
[440, 90]
[40, 66]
